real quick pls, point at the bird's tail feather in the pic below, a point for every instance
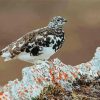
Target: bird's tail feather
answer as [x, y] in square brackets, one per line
[6, 55]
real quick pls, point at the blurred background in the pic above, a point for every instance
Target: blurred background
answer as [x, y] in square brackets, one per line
[18, 17]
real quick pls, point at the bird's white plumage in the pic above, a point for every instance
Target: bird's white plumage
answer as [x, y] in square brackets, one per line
[46, 54]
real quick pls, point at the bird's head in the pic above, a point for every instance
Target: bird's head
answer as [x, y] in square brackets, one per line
[57, 22]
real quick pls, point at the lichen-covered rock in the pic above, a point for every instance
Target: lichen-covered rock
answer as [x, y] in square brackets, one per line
[70, 78]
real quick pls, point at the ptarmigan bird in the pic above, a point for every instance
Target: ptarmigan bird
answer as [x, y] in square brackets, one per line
[38, 44]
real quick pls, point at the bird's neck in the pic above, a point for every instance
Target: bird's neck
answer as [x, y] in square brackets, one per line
[56, 30]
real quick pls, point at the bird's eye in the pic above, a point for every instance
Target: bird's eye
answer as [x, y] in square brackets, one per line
[58, 19]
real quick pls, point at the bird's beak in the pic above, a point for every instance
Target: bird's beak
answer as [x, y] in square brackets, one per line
[65, 20]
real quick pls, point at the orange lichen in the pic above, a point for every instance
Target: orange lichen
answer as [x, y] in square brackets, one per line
[75, 76]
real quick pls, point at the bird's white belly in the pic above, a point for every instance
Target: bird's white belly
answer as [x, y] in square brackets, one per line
[46, 53]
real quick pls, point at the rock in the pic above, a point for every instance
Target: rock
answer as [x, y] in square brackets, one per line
[83, 78]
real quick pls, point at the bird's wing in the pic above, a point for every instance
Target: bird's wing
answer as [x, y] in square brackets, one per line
[13, 49]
